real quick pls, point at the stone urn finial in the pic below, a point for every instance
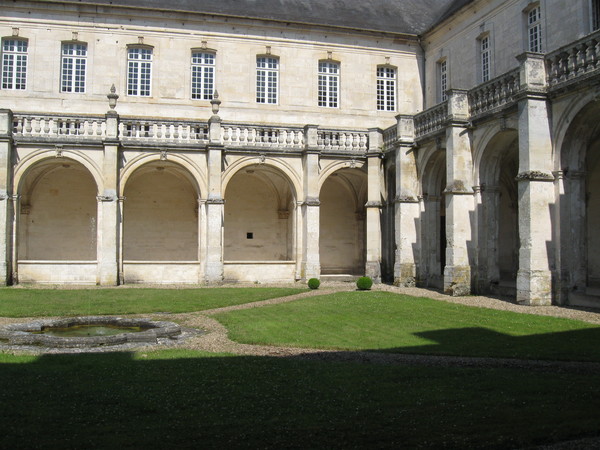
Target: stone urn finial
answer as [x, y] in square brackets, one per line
[215, 102]
[112, 98]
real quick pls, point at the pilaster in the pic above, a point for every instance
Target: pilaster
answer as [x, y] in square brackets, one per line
[311, 265]
[373, 206]
[459, 197]
[407, 207]
[6, 205]
[535, 186]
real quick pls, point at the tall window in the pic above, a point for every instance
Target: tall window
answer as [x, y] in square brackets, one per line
[73, 67]
[267, 79]
[484, 46]
[534, 30]
[329, 84]
[14, 63]
[386, 89]
[203, 75]
[139, 71]
[595, 15]
[442, 69]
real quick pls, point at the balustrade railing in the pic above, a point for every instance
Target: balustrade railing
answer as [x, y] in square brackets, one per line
[342, 141]
[177, 132]
[390, 136]
[494, 94]
[571, 61]
[432, 120]
[47, 126]
[260, 136]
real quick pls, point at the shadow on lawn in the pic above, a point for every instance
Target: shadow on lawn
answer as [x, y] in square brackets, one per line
[178, 398]
[572, 345]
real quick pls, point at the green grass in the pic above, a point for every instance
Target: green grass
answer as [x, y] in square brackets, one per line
[57, 302]
[396, 323]
[187, 399]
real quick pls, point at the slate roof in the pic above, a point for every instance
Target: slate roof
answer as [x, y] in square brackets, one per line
[396, 16]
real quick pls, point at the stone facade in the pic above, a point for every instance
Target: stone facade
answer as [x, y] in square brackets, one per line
[470, 168]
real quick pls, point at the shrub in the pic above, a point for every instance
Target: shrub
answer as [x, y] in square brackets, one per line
[364, 283]
[314, 283]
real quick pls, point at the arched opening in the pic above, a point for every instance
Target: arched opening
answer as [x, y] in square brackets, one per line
[499, 230]
[580, 210]
[342, 223]
[160, 225]
[57, 226]
[259, 225]
[388, 228]
[433, 221]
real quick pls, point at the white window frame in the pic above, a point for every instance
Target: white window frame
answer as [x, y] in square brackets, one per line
[139, 71]
[485, 58]
[594, 15]
[442, 79]
[14, 52]
[203, 74]
[73, 67]
[534, 29]
[329, 84]
[386, 88]
[267, 79]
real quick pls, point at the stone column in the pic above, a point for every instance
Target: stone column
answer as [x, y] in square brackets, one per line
[373, 206]
[459, 196]
[536, 185]
[108, 240]
[311, 265]
[6, 206]
[215, 201]
[408, 210]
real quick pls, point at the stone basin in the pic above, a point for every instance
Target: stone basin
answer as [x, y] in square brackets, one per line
[32, 333]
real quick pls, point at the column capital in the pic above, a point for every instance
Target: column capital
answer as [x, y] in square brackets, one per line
[311, 201]
[535, 175]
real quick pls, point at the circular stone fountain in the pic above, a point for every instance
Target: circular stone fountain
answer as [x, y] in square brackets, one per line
[94, 333]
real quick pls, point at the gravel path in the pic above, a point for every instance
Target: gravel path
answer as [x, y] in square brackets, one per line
[216, 339]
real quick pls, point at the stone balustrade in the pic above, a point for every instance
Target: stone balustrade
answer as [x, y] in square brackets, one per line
[262, 137]
[494, 94]
[342, 141]
[570, 62]
[163, 131]
[39, 126]
[432, 120]
[390, 136]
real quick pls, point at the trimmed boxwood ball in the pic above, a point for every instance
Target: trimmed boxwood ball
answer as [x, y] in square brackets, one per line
[364, 283]
[314, 283]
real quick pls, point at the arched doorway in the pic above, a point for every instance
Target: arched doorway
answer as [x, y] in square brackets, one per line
[160, 225]
[259, 225]
[57, 226]
[498, 233]
[342, 223]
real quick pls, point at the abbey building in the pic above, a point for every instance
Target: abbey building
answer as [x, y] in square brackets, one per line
[453, 144]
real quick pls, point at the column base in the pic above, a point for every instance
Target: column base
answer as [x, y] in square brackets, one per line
[405, 275]
[108, 275]
[457, 280]
[310, 270]
[214, 273]
[373, 270]
[534, 287]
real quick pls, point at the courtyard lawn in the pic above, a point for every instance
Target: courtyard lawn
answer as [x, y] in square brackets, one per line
[188, 399]
[23, 302]
[390, 322]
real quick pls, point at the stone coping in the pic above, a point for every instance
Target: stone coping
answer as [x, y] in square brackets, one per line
[23, 334]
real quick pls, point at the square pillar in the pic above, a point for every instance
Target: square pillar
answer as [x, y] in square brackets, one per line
[459, 197]
[408, 209]
[215, 205]
[6, 204]
[373, 206]
[311, 265]
[535, 185]
[108, 238]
